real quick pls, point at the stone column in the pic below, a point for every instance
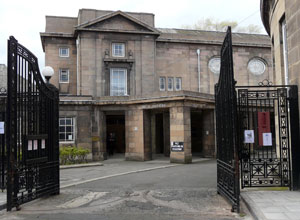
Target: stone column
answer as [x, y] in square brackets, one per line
[134, 131]
[99, 135]
[180, 131]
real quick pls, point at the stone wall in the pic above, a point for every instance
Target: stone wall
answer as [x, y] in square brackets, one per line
[180, 60]
[53, 59]
[180, 131]
[83, 126]
[293, 35]
[3, 76]
[95, 74]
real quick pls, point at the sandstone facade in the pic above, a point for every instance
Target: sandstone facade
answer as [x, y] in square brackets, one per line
[147, 118]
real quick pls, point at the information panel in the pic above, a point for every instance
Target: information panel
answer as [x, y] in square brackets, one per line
[177, 146]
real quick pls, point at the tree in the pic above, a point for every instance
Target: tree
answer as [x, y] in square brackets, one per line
[211, 24]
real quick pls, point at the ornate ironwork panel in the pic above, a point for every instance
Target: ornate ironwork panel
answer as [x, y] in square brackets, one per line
[32, 129]
[264, 136]
[3, 160]
[226, 121]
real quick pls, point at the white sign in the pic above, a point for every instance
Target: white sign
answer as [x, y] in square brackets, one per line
[29, 145]
[1, 127]
[249, 136]
[35, 145]
[267, 139]
[177, 146]
[43, 144]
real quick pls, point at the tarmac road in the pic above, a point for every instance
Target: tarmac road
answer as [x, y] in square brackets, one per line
[173, 193]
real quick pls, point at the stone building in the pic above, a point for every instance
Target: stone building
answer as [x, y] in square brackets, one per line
[281, 19]
[3, 77]
[129, 87]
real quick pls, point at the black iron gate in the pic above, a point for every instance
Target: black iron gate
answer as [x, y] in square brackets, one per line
[3, 160]
[32, 129]
[226, 124]
[264, 127]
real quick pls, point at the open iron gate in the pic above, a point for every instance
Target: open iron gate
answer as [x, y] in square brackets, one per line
[3, 160]
[257, 129]
[32, 129]
[266, 115]
[226, 128]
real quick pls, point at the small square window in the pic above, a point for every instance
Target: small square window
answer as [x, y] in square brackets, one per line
[64, 52]
[118, 50]
[63, 76]
[162, 83]
[170, 83]
[66, 129]
[178, 84]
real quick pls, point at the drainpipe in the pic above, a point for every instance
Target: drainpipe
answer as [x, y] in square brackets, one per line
[77, 60]
[198, 53]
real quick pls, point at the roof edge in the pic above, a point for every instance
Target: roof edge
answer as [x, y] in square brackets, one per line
[113, 14]
[265, 14]
[211, 42]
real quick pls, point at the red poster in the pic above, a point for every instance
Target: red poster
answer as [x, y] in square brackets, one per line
[263, 125]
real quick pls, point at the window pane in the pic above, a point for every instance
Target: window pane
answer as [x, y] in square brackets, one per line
[64, 52]
[64, 75]
[69, 136]
[62, 121]
[118, 49]
[68, 121]
[62, 137]
[178, 83]
[66, 129]
[118, 82]
[162, 83]
[170, 83]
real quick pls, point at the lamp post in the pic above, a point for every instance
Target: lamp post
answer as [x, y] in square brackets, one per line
[48, 72]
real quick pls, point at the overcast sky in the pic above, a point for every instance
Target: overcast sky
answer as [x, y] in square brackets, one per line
[25, 19]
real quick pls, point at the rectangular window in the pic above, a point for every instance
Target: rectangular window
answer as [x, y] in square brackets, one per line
[63, 76]
[162, 83]
[118, 82]
[66, 129]
[64, 52]
[170, 83]
[178, 84]
[118, 50]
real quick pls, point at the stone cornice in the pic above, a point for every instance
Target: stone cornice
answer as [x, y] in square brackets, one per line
[211, 42]
[265, 14]
[108, 100]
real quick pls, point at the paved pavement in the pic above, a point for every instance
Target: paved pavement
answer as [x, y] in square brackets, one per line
[2, 200]
[273, 205]
[115, 166]
[162, 191]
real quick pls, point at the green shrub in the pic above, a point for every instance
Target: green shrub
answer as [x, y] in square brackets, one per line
[72, 155]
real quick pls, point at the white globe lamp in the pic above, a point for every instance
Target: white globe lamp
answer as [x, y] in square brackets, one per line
[48, 72]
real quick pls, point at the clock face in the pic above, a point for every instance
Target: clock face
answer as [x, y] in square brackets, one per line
[214, 65]
[256, 67]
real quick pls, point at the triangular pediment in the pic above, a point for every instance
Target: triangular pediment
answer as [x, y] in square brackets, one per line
[118, 21]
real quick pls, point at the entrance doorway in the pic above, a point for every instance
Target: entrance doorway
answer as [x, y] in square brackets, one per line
[159, 125]
[161, 133]
[196, 133]
[115, 133]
